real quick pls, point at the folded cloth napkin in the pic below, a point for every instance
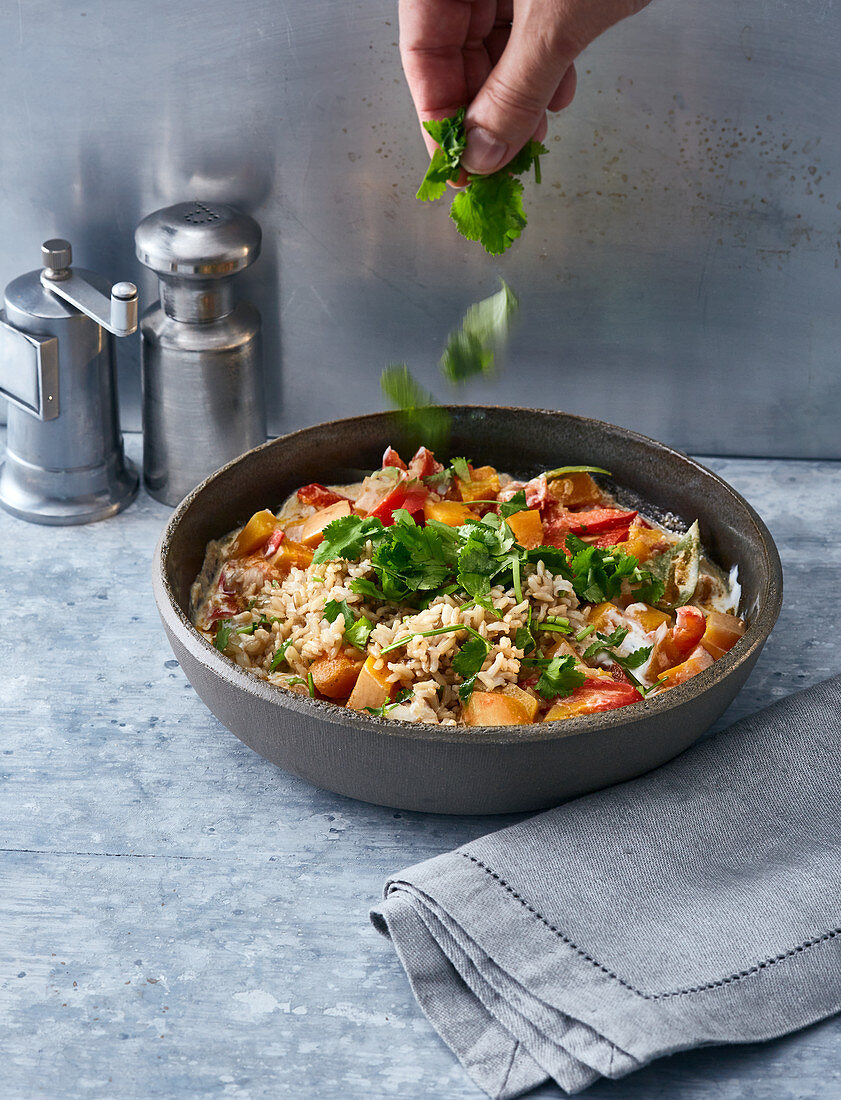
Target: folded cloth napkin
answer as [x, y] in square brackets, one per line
[699, 904]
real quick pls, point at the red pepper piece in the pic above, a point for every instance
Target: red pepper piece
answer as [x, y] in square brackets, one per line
[273, 545]
[392, 458]
[318, 495]
[393, 499]
[598, 520]
[415, 499]
[424, 463]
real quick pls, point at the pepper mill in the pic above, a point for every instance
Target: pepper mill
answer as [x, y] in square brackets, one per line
[203, 391]
[64, 451]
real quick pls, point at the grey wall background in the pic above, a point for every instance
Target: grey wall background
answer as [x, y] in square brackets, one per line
[679, 275]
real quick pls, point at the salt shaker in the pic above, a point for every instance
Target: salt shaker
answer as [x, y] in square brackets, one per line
[201, 360]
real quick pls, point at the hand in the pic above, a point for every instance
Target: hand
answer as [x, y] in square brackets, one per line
[511, 60]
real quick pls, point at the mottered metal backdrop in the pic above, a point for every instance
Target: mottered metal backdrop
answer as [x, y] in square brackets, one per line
[679, 273]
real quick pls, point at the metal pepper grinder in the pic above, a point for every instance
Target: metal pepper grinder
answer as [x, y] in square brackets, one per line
[203, 391]
[64, 451]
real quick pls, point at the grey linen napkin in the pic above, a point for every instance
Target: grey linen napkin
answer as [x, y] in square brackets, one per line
[699, 904]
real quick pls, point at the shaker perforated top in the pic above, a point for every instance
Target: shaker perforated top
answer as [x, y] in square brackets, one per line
[207, 240]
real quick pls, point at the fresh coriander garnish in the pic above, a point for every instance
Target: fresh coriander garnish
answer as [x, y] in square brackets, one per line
[468, 662]
[524, 638]
[431, 634]
[559, 678]
[490, 208]
[357, 631]
[223, 635]
[346, 538]
[460, 468]
[293, 680]
[280, 656]
[382, 711]
[311, 685]
[558, 625]
[517, 503]
[275, 582]
[606, 643]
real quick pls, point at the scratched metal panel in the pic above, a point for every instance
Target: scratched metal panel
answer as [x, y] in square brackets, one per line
[679, 274]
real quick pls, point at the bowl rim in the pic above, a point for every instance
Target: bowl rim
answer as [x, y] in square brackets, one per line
[769, 604]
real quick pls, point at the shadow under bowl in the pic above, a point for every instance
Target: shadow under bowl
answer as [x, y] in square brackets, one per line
[481, 770]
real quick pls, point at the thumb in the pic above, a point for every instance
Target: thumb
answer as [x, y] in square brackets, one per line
[511, 103]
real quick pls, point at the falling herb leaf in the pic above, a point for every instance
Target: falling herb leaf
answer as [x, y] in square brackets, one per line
[517, 503]
[484, 331]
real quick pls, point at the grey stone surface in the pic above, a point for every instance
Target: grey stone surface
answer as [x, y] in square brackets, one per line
[178, 918]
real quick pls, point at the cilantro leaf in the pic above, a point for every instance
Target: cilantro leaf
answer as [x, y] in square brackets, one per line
[363, 587]
[468, 662]
[597, 575]
[517, 503]
[484, 330]
[223, 635]
[606, 641]
[559, 678]
[346, 538]
[461, 468]
[524, 638]
[421, 421]
[490, 210]
[280, 656]
[357, 631]
[529, 155]
[390, 704]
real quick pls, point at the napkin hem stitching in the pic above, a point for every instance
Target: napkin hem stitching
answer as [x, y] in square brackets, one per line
[756, 969]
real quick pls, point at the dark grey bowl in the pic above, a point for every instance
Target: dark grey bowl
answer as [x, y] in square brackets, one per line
[479, 770]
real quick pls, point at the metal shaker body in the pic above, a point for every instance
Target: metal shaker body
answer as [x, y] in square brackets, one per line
[67, 466]
[201, 351]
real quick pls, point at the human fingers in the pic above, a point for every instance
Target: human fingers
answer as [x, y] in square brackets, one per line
[545, 38]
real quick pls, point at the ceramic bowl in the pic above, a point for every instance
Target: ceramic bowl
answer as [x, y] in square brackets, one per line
[448, 769]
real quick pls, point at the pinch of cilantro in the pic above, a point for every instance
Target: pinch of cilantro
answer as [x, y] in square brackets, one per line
[524, 638]
[468, 662]
[346, 538]
[559, 678]
[452, 628]
[223, 635]
[310, 685]
[516, 504]
[451, 139]
[461, 468]
[607, 642]
[489, 209]
[382, 711]
[280, 656]
[357, 631]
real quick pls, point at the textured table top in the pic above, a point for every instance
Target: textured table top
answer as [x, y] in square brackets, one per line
[179, 918]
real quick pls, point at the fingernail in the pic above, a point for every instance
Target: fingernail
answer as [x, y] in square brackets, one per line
[484, 152]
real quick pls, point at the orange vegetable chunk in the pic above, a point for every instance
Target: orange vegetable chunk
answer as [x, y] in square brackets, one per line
[254, 534]
[696, 662]
[372, 688]
[527, 527]
[647, 616]
[452, 512]
[575, 490]
[312, 531]
[722, 633]
[336, 676]
[291, 555]
[492, 708]
[483, 484]
[529, 702]
[600, 617]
